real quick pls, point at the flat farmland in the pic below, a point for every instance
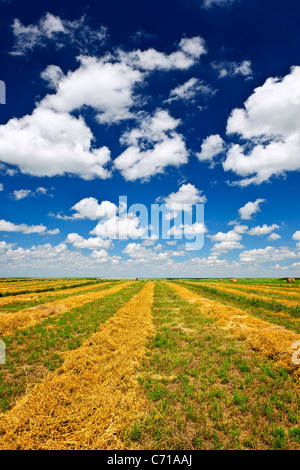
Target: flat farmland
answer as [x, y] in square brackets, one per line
[169, 364]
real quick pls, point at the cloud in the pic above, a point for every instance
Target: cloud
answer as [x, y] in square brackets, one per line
[107, 84]
[270, 123]
[150, 241]
[277, 266]
[189, 90]
[18, 194]
[141, 254]
[52, 75]
[21, 194]
[101, 256]
[240, 228]
[92, 243]
[55, 231]
[296, 236]
[188, 53]
[183, 200]
[52, 29]
[171, 215]
[41, 190]
[262, 230]
[225, 246]
[270, 253]
[119, 227]
[211, 147]
[89, 208]
[188, 229]
[274, 236]
[39, 260]
[104, 85]
[4, 246]
[230, 236]
[221, 3]
[152, 128]
[140, 34]
[248, 210]
[228, 241]
[49, 143]
[153, 146]
[135, 164]
[229, 69]
[6, 226]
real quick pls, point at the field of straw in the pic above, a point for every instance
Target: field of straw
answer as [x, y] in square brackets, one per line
[149, 364]
[268, 295]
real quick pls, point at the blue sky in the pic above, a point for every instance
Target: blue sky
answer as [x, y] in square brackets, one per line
[164, 102]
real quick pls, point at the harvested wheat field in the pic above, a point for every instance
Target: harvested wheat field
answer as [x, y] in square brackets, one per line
[11, 321]
[88, 401]
[150, 365]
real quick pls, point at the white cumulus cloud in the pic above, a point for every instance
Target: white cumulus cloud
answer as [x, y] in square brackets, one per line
[270, 253]
[250, 208]
[274, 236]
[296, 236]
[188, 53]
[262, 230]
[153, 146]
[270, 123]
[92, 243]
[183, 199]
[211, 147]
[120, 227]
[103, 85]
[89, 208]
[6, 226]
[49, 143]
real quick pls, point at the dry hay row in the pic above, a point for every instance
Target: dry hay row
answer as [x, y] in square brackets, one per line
[236, 290]
[29, 283]
[8, 280]
[87, 403]
[248, 287]
[35, 282]
[39, 295]
[42, 287]
[286, 286]
[273, 341]
[43, 281]
[35, 287]
[9, 322]
[32, 282]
